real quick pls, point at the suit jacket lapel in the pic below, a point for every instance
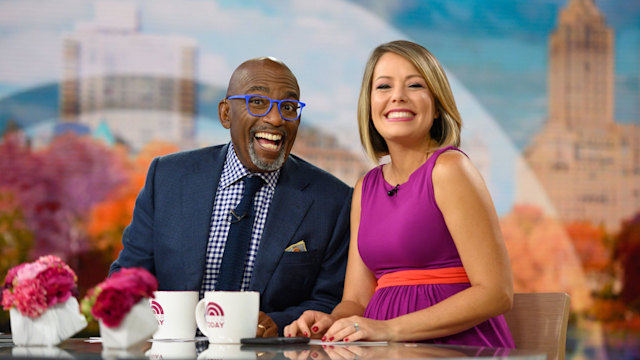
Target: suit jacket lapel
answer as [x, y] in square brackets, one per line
[199, 191]
[287, 209]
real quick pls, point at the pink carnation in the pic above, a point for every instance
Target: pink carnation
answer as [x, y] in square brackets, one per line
[7, 299]
[58, 285]
[8, 280]
[112, 299]
[33, 287]
[112, 305]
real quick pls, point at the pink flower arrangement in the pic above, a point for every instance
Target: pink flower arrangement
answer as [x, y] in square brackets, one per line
[112, 299]
[34, 287]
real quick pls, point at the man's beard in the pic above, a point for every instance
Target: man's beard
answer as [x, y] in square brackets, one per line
[267, 166]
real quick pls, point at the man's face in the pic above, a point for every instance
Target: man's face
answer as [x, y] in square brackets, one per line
[261, 143]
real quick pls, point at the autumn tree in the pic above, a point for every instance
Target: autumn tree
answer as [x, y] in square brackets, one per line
[627, 252]
[15, 237]
[57, 186]
[542, 256]
[109, 218]
[591, 245]
[15, 241]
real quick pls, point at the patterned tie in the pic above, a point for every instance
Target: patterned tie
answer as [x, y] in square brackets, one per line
[239, 238]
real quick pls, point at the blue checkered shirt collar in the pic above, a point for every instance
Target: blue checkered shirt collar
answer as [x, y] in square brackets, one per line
[234, 170]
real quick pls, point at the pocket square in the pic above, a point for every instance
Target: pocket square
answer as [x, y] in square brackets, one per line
[297, 247]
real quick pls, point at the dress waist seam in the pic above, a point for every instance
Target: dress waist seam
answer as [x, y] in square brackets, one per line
[452, 275]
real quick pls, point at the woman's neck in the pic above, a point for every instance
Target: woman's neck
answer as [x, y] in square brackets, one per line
[404, 161]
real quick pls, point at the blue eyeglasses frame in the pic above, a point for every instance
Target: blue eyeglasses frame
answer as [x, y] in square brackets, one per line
[271, 101]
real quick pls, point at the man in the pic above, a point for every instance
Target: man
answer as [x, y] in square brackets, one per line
[184, 214]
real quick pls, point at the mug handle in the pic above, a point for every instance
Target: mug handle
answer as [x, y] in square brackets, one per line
[200, 318]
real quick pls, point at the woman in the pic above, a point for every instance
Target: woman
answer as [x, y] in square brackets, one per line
[427, 261]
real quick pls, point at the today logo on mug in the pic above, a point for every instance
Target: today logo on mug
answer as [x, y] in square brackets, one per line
[225, 317]
[158, 311]
[214, 315]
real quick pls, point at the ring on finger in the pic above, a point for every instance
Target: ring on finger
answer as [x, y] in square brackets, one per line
[356, 326]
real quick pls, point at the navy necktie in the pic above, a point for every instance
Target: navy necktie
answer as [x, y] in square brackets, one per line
[239, 238]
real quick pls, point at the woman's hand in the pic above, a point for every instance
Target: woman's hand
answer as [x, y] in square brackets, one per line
[311, 324]
[355, 328]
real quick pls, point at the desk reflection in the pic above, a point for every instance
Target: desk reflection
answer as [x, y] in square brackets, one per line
[202, 350]
[171, 350]
[40, 352]
[348, 352]
[388, 351]
[115, 354]
[392, 351]
[227, 351]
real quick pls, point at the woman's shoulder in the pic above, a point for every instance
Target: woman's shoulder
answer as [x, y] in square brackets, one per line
[370, 181]
[372, 174]
[450, 155]
[452, 164]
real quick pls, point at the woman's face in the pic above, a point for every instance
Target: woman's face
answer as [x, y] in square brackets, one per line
[402, 107]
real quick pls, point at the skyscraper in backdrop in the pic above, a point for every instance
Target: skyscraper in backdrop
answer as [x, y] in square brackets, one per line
[588, 164]
[140, 87]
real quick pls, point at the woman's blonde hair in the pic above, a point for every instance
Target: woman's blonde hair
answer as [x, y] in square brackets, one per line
[445, 129]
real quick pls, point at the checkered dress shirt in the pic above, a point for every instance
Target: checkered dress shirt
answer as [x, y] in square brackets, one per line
[228, 197]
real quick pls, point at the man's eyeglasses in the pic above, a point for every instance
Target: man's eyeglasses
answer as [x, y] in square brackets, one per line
[258, 105]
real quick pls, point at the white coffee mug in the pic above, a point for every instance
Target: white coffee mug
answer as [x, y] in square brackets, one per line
[173, 311]
[228, 316]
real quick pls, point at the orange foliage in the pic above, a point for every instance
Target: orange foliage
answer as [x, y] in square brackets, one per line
[607, 310]
[150, 151]
[109, 218]
[542, 256]
[589, 242]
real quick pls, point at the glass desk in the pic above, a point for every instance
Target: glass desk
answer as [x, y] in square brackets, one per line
[76, 348]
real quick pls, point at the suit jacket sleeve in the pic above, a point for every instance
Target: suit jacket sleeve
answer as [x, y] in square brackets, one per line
[326, 292]
[312, 206]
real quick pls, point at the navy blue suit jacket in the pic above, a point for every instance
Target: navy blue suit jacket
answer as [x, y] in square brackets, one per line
[169, 232]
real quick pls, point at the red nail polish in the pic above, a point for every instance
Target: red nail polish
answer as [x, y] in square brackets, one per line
[305, 334]
[346, 340]
[331, 339]
[324, 338]
[315, 329]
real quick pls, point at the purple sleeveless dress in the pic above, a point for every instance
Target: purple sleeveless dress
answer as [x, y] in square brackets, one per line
[407, 231]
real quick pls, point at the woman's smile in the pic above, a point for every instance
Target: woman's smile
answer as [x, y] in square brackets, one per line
[400, 115]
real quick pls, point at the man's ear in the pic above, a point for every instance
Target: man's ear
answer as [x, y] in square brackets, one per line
[223, 113]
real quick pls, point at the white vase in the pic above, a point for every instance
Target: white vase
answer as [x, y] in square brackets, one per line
[56, 324]
[138, 325]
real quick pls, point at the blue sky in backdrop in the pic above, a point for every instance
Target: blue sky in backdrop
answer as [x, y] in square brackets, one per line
[498, 49]
[495, 52]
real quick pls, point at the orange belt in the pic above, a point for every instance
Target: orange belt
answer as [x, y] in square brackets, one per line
[453, 275]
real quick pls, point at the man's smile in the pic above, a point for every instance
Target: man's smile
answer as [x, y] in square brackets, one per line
[268, 141]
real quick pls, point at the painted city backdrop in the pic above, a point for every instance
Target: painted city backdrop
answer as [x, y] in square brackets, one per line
[91, 91]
